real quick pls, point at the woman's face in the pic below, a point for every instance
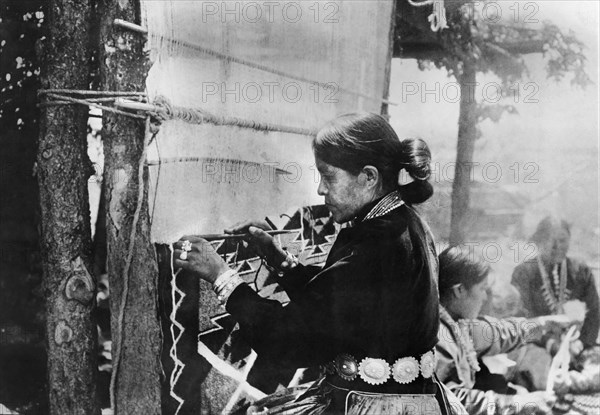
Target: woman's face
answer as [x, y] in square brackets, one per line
[469, 303]
[555, 249]
[345, 193]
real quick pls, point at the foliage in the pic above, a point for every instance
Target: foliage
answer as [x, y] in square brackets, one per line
[565, 54]
[21, 28]
[499, 48]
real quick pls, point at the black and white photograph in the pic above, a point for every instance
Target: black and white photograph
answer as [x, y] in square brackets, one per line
[299, 207]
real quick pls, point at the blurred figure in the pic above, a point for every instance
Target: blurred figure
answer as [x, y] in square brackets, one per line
[549, 280]
[503, 301]
[463, 338]
[546, 283]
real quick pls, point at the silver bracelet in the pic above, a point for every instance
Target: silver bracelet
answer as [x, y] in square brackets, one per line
[223, 279]
[226, 292]
[225, 284]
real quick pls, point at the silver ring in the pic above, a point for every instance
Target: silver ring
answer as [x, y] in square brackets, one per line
[183, 256]
[186, 246]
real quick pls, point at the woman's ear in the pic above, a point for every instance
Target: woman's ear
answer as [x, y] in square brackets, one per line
[371, 175]
[459, 291]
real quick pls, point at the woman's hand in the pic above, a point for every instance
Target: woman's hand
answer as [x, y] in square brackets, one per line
[202, 259]
[262, 242]
[550, 325]
[575, 348]
[560, 321]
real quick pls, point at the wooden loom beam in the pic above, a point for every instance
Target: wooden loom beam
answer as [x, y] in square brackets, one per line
[132, 265]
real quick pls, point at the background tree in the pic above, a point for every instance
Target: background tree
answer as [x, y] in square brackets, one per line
[479, 43]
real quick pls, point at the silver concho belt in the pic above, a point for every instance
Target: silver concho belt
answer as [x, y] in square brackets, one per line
[377, 371]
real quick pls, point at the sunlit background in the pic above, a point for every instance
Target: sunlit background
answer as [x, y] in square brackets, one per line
[542, 160]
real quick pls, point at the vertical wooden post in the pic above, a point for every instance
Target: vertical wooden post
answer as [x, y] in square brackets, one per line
[467, 134]
[63, 171]
[132, 267]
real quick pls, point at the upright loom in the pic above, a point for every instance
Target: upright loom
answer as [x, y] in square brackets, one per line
[241, 88]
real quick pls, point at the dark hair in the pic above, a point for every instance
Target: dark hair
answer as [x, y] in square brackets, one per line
[544, 229]
[457, 266]
[352, 141]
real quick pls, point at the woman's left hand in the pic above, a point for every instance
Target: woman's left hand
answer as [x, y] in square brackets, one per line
[555, 321]
[201, 259]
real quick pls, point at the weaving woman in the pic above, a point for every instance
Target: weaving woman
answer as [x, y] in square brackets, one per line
[464, 338]
[369, 317]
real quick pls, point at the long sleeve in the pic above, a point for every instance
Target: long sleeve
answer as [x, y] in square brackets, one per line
[490, 336]
[580, 286]
[300, 333]
[454, 371]
[294, 280]
[493, 336]
[475, 401]
[586, 291]
[360, 303]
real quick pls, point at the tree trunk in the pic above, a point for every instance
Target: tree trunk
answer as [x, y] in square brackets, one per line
[132, 267]
[467, 133]
[388, 64]
[63, 171]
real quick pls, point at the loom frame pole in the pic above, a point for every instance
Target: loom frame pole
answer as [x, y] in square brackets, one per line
[129, 26]
[137, 106]
[132, 264]
[63, 170]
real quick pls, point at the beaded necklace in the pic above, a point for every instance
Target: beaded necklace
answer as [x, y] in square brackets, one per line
[554, 300]
[390, 202]
[461, 331]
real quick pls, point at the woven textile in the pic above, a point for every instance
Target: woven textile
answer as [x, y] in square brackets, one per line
[296, 64]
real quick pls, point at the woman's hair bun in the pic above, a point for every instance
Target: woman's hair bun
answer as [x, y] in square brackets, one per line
[352, 141]
[415, 158]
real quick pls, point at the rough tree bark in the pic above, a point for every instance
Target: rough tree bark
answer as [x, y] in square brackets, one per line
[467, 134]
[135, 387]
[63, 171]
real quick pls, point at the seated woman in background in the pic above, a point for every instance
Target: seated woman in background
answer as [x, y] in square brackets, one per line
[549, 280]
[370, 315]
[463, 337]
[545, 284]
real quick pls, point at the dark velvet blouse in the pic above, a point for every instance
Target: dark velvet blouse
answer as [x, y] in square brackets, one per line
[374, 297]
[580, 283]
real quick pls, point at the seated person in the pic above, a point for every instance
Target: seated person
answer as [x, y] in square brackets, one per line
[545, 284]
[549, 280]
[463, 338]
